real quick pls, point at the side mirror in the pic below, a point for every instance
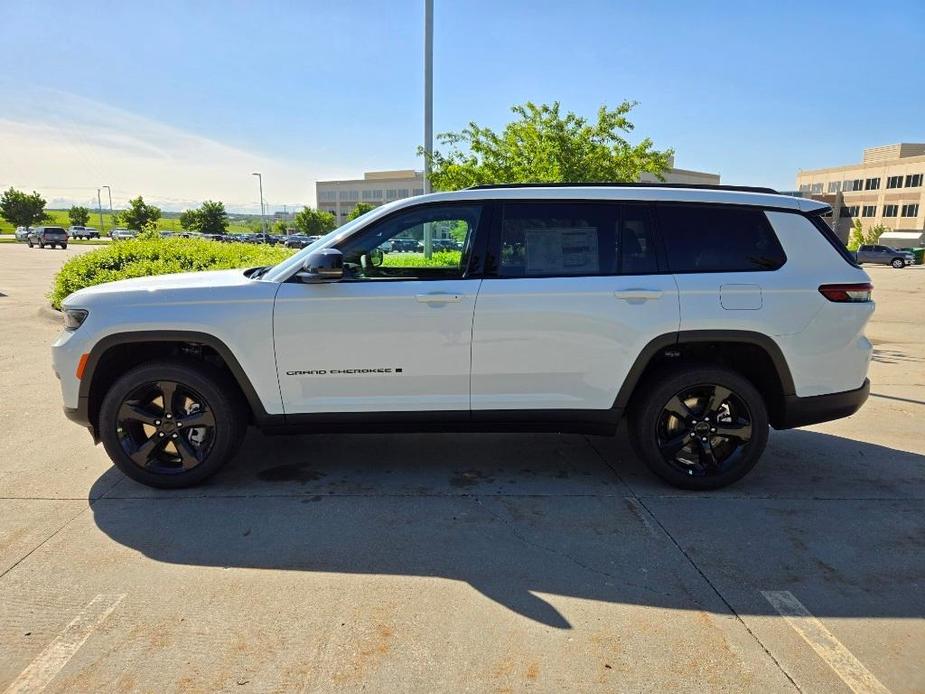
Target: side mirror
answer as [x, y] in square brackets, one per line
[326, 265]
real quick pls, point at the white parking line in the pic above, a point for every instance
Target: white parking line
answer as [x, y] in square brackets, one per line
[858, 678]
[49, 662]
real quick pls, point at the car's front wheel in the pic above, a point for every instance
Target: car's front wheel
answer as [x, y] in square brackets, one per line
[700, 427]
[172, 423]
[898, 263]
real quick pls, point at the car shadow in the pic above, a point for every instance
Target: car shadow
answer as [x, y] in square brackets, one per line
[522, 516]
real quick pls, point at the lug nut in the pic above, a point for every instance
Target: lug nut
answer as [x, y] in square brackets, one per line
[704, 438]
[173, 436]
[169, 416]
[713, 430]
[157, 422]
[180, 424]
[161, 434]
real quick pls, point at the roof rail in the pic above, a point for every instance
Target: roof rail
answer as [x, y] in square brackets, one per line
[607, 184]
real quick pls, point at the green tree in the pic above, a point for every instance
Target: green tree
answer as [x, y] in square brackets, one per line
[212, 217]
[873, 234]
[189, 220]
[361, 209]
[314, 222]
[856, 235]
[21, 209]
[79, 216]
[139, 214]
[542, 146]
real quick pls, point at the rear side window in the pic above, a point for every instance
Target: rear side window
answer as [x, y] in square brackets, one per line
[703, 238]
[569, 239]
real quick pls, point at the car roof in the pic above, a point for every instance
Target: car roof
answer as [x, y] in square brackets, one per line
[662, 192]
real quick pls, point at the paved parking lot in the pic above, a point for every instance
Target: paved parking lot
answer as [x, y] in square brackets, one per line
[462, 563]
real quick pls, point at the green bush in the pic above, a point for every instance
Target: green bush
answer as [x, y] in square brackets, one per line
[156, 256]
[437, 259]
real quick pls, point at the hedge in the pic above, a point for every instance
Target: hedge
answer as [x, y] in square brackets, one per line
[145, 257]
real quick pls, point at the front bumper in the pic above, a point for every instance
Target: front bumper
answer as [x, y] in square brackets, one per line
[81, 415]
[800, 412]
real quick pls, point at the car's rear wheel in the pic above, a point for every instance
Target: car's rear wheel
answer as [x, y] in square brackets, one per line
[41, 244]
[701, 427]
[64, 246]
[172, 423]
[898, 263]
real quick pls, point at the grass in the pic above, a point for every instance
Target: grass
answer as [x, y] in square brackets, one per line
[167, 223]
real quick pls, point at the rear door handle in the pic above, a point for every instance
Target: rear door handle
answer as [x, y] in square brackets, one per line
[439, 298]
[638, 294]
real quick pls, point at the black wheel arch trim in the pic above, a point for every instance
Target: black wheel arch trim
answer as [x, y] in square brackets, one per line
[682, 337]
[82, 414]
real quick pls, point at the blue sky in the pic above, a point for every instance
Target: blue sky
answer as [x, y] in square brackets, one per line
[176, 100]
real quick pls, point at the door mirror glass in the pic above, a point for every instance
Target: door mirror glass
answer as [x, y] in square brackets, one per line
[326, 265]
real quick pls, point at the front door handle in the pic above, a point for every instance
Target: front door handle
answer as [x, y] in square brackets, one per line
[439, 298]
[638, 294]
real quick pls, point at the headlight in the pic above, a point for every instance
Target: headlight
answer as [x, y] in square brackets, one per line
[74, 318]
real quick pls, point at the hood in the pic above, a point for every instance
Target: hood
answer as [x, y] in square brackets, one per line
[161, 287]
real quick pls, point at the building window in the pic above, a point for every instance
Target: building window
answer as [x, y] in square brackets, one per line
[834, 186]
[816, 188]
[804, 188]
[853, 184]
[849, 211]
[869, 211]
[890, 210]
[894, 182]
[419, 191]
[350, 195]
[872, 184]
[911, 210]
[372, 195]
[329, 195]
[913, 180]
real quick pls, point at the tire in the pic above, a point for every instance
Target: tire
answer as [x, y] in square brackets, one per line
[124, 434]
[898, 263]
[63, 246]
[29, 241]
[41, 244]
[656, 430]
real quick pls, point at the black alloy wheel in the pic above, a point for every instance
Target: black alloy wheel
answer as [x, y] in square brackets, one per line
[165, 427]
[704, 430]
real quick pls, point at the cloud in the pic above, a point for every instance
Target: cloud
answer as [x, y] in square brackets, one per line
[66, 146]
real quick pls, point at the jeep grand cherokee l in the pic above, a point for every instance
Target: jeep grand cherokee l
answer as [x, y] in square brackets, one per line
[701, 315]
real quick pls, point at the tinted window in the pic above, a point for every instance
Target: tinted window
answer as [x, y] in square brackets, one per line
[701, 238]
[575, 239]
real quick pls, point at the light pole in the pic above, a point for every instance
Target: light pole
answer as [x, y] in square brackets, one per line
[263, 218]
[99, 208]
[428, 112]
[111, 215]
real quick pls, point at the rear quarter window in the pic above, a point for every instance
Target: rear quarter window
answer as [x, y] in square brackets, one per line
[706, 238]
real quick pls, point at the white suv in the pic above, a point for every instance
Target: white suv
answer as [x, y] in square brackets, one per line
[701, 314]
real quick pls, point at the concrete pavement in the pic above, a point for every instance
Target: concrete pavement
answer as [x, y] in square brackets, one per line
[463, 563]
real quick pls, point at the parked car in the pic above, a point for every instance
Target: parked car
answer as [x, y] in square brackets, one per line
[80, 232]
[596, 304]
[122, 234]
[404, 246]
[884, 255]
[22, 233]
[47, 236]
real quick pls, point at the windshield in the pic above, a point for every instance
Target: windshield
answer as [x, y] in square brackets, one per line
[283, 270]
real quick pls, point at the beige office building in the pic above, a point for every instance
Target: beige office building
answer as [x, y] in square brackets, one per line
[379, 187]
[885, 188]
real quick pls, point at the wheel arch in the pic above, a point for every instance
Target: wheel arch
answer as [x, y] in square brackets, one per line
[755, 355]
[113, 354]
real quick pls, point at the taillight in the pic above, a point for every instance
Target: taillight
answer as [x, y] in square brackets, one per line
[847, 293]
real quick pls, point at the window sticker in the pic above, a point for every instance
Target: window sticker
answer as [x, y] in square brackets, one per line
[563, 250]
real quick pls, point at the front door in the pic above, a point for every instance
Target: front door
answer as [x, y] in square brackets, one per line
[393, 335]
[580, 290]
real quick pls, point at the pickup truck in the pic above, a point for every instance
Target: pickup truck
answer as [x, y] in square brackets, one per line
[80, 232]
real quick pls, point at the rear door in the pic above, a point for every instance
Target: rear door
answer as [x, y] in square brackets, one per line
[578, 290]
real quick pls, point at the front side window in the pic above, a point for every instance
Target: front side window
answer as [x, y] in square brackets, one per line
[703, 238]
[393, 249]
[571, 239]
